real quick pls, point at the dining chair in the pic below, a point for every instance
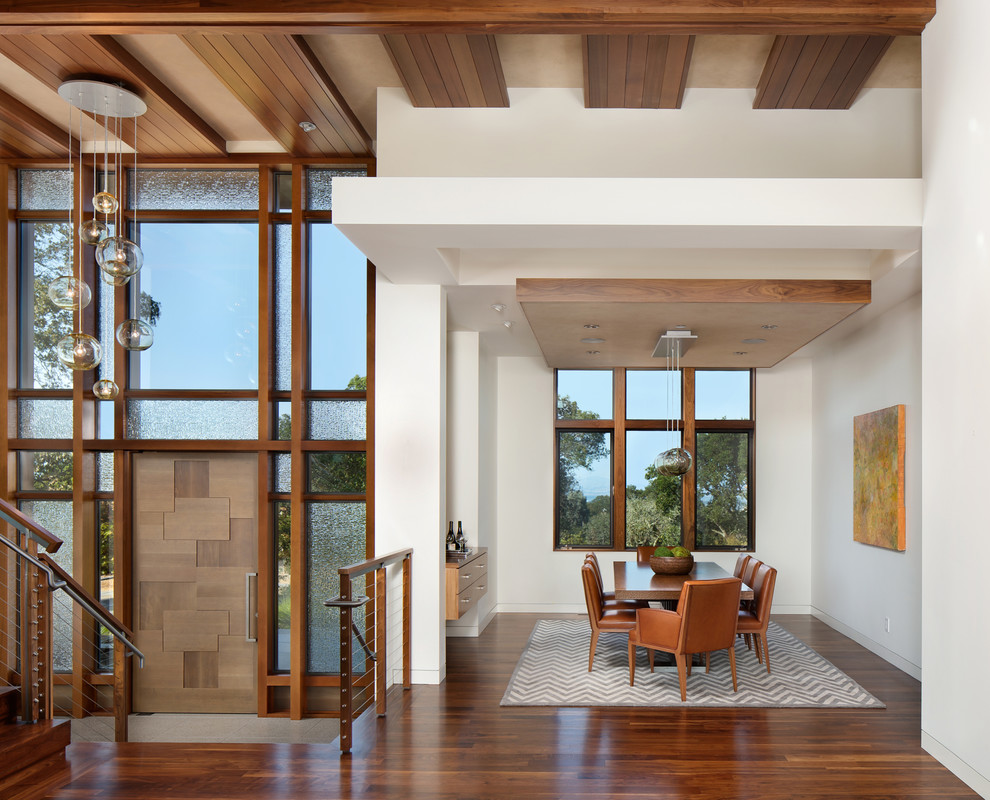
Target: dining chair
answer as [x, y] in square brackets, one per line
[753, 622]
[644, 552]
[602, 617]
[609, 598]
[705, 620]
[741, 563]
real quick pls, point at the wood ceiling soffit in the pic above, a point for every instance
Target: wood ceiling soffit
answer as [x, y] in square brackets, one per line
[887, 17]
[24, 133]
[448, 70]
[636, 71]
[554, 290]
[282, 83]
[169, 126]
[818, 72]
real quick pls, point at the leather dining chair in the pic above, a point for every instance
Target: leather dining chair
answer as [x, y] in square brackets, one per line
[753, 622]
[705, 620]
[741, 563]
[609, 598]
[601, 617]
[644, 552]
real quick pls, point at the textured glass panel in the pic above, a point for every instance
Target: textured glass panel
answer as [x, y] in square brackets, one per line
[338, 311]
[319, 186]
[104, 472]
[283, 191]
[722, 464]
[45, 471]
[283, 587]
[283, 422]
[283, 472]
[584, 489]
[199, 289]
[192, 419]
[653, 502]
[653, 394]
[196, 189]
[46, 253]
[45, 189]
[337, 473]
[584, 394]
[338, 420]
[721, 394]
[56, 517]
[44, 419]
[283, 308]
[336, 537]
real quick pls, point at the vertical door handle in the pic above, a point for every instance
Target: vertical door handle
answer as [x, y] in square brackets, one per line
[247, 607]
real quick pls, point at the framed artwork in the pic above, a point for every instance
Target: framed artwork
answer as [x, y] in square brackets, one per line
[878, 478]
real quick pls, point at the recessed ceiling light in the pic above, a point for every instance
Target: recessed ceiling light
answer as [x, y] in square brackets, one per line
[753, 341]
[769, 327]
[497, 307]
[307, 126]
[739, 353]
[592, 340]
[594, 352]
[680, 327]
[508, 323]
[591, 326]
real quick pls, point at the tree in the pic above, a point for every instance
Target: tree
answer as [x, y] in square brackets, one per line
[723, 489]
[653, 514]
[580, 523]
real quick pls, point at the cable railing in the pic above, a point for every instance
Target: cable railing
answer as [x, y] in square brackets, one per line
[372, 657]
[65, 652]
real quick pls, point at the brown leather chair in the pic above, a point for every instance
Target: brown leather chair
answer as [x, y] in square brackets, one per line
[741, 563]
[705, 620]
[609, 598]
[749, 571]
[753, 622]
[602, 618]
[643, 553]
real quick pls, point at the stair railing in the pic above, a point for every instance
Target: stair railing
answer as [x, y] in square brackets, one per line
[30, 583]
[364, 618]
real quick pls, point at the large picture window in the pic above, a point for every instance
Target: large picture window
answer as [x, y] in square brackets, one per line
[610, 427]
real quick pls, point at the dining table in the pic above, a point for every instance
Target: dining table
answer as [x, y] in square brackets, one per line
[635, 580]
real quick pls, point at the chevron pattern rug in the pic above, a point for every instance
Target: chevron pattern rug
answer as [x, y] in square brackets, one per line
[553, 671]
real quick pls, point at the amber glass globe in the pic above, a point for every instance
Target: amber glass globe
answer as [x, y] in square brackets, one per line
[79, 351]
[105, 389]
[675, 461]
[92, 231]
[135, 334]
[114, 280]
[105, 203]
[119, 256]
[67, 291]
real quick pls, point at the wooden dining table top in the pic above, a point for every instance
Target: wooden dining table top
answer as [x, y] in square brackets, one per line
[637, 581]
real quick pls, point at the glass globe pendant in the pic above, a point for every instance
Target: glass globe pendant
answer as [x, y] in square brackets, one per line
[114, 280]
[673, 462]
[79, 351]
[92, 231]
[105, 389]
[119, 256]
[67, 291]
[135, 334]
[105, 203]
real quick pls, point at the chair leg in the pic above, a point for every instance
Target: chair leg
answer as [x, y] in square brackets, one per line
[650, 652]
[681, 670]
[756, 647]
[632, 663]
[690, 662]
[766, 649]
[594, 644]
[732, 668]
[708, 663]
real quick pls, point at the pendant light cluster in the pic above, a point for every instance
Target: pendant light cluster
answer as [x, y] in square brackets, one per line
[117, 256]
[676, 460]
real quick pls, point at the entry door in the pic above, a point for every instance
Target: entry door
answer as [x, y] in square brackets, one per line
[195, 548]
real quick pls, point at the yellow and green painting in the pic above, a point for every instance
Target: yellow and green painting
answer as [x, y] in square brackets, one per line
[878, 478]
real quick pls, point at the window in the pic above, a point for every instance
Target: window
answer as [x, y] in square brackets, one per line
[608, 493]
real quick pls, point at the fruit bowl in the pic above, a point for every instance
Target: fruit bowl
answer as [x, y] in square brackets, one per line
[671, 565]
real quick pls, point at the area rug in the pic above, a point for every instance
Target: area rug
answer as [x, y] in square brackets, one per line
[553, 671]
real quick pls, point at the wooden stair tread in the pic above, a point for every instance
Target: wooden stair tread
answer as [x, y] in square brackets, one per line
[24, 744]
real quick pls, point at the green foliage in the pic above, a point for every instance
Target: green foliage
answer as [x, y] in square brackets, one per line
[51, 471]
[580, 523]
[723, 489]
[52, 247]
[338, 473]
[150, 309]
[358, 383]
[106, 538]
[653, 513]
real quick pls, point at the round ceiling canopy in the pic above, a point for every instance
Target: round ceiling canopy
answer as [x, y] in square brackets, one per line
[102, 97]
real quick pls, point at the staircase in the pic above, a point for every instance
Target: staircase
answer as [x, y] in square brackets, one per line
[33, 752]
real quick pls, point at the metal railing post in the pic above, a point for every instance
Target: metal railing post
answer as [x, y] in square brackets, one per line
[381, 641]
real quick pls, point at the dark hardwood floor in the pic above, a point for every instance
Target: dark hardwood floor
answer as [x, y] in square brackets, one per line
[455, 741]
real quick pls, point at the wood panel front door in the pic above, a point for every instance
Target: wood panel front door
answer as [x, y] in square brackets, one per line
[195, 548]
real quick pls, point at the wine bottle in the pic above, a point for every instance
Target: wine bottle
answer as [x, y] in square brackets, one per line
[461, 541]
[451, 539]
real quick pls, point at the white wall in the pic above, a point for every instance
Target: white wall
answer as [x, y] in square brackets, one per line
[877, 138]
[410, 432]
[855, 586]
[955, 713]
[532, 577]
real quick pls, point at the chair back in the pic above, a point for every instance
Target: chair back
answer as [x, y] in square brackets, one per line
[763, 585]
[592, 594]
[644, 552]
[592, 560]
[709, 611]
[741, 563]
[749, 571]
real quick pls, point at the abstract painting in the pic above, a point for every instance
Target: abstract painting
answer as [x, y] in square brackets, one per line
[878, 478]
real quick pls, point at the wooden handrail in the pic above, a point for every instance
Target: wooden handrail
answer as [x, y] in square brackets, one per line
[379, 562]
[19, 519]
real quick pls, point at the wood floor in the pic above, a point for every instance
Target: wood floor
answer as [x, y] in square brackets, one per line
[454, 741]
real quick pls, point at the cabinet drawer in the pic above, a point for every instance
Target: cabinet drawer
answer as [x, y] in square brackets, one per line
[468, 599]
[470, 573]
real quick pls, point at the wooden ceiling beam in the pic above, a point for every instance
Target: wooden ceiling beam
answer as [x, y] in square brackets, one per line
[818, 72]
[636, 71]
[448, 70]
[26, 133]
[802, 17]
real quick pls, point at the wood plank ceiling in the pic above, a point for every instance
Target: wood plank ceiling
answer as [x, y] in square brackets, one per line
[636, 71]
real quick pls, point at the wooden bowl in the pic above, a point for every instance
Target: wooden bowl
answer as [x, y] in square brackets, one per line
[671, 565]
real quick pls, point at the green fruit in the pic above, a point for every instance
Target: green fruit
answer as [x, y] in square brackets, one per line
[663, 551]
[680, 552]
